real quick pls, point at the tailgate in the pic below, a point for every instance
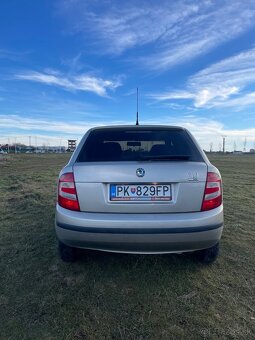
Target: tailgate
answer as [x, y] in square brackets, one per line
[186, 180]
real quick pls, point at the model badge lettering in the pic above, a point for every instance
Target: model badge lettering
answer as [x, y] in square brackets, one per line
[192, 177]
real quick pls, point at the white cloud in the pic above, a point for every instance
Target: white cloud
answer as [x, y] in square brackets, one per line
[30, 124]
[173, 31]
[239, 102]
[82, 82]
[207, 95]
[205, 130]
[119, 27]
[200, 97]
[173, 95]
[236, 70]
[210, 27]
[219, 85]
[13, 55]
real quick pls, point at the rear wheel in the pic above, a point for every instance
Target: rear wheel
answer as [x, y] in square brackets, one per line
[208, 255]
[66, 253]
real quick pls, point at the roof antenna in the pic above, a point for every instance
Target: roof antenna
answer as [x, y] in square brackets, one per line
[137, 120]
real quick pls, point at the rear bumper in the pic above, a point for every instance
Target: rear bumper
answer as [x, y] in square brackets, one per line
[140, 233]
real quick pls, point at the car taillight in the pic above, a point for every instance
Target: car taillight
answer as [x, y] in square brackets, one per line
[67, 195]
[213, 192]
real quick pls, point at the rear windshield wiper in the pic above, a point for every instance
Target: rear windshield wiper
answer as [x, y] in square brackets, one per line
[166, 157]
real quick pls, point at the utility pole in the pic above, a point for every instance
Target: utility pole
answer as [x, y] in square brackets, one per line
[234, 146]
[137, 114]
[223, 143]
[244, 144]
[8, 145]
[15, 147]
[211, 146]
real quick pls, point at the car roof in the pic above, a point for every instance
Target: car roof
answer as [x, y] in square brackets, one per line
[138, 127]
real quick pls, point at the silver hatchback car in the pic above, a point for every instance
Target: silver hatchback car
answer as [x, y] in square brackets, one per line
[139, 189]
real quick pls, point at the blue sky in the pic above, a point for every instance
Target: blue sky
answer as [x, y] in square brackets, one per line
[68, 65]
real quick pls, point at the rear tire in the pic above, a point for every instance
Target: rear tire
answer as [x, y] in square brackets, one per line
[66, 253]
[209, 255]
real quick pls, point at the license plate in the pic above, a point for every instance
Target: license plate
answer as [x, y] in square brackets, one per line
[140, 192]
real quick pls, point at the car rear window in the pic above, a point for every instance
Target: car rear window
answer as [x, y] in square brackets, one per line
[136, 144]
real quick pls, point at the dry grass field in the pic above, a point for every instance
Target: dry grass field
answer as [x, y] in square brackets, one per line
[115, 296]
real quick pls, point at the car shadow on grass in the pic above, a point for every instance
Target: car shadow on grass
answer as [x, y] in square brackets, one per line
[184, 261]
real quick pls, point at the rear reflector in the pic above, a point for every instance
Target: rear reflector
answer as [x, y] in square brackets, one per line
[67, 195]
[213, 192]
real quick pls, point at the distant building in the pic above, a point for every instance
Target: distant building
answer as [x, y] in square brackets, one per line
[252, 150]
[71, 144]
